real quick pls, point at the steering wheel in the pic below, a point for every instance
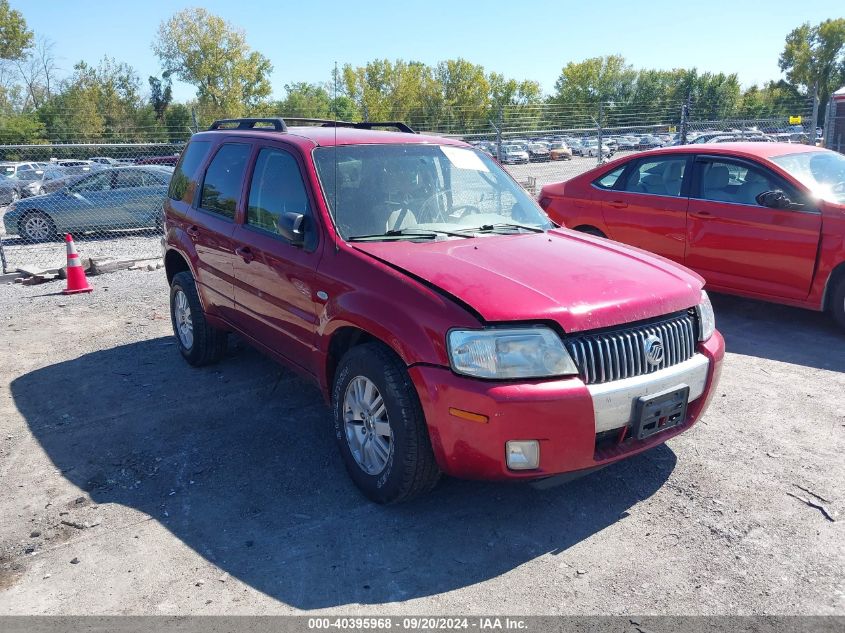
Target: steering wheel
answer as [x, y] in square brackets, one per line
[438, 212]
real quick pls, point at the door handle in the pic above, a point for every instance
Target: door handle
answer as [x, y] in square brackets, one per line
[193, 231]
[244, 253]
[618, 204]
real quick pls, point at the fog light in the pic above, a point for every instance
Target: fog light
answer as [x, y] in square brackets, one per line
[523, 454]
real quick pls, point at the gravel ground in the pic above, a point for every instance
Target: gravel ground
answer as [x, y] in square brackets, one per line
[133, 484]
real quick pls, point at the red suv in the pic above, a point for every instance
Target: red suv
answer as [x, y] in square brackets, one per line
[762, 220]
[450, 326]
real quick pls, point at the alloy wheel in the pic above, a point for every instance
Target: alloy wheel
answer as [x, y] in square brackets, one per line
[182, 318]
[367, 426]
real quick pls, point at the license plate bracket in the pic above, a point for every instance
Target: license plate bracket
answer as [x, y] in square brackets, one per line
[660, 411]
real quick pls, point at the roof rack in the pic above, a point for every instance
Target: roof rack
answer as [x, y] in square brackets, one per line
[280, 125]
[362, 125]
[249, 124]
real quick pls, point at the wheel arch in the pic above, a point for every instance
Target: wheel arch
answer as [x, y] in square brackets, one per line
[836, 276]
[175, 262]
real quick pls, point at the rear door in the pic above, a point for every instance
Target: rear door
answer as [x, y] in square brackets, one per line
[736, 244]
[646, 207]
[275, 290]
[212, 222]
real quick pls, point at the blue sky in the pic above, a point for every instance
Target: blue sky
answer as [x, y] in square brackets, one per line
[533, 40]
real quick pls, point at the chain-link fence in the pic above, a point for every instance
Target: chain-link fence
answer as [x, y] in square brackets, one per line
[109, 195]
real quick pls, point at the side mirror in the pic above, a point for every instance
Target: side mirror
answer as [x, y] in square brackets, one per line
[291, 226]
[776, 199]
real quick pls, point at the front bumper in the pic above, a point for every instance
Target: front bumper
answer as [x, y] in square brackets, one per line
[571, 420]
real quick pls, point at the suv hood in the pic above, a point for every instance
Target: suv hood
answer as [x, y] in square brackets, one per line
[581, 282]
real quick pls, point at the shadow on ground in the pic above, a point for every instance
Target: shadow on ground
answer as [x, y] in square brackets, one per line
[238, 462]
[777, 332]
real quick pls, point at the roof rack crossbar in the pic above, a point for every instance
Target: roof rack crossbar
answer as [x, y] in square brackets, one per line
[399, 125]
[249, 124]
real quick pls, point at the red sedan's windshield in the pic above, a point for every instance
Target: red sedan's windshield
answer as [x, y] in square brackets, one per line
[822, 172]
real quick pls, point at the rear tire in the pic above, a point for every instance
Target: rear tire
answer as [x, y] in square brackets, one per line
[199, 343]
[403, 467]
[36, 226]
[837, 302]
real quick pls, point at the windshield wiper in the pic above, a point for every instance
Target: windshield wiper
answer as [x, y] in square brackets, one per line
[504, 226]
[428, 234]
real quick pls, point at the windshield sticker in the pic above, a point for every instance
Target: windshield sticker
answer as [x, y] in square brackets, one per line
[464, 158]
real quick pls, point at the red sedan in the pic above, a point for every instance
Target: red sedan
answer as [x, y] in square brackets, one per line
[761, 220]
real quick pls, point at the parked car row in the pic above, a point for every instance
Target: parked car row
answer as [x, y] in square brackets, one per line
[22, 179]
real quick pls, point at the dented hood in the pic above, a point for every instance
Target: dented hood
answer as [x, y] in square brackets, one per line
[582, 282]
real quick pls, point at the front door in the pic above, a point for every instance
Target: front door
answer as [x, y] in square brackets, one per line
[737, 244]
[275, 279]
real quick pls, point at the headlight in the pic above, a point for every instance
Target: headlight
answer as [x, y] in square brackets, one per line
[504, 353]
[706, 318]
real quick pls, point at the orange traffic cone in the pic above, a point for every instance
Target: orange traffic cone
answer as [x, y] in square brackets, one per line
[76, 281]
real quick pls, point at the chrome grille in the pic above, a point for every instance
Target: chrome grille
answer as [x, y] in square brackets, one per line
[617, 354]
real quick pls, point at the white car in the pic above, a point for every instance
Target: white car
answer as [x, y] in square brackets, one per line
[592, 149]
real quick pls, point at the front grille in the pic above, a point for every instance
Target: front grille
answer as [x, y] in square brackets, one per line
[621, 353]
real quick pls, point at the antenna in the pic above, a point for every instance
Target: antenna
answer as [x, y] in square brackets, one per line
[334, 108]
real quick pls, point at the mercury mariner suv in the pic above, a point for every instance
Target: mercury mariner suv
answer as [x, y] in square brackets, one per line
[449, 324]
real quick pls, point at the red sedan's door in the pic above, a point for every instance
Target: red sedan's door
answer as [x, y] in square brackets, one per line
[736, 244]
[275, 286]
[647, 207]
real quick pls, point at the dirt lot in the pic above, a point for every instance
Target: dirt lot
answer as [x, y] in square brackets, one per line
[133, 484]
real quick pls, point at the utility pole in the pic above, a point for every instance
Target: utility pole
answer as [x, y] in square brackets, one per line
[599, 130]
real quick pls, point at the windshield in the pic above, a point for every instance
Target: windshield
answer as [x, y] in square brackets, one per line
[822, 172]
[418, 189]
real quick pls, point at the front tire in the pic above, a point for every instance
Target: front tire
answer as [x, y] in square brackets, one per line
[380, 427]
[837, 302]
[199, 343]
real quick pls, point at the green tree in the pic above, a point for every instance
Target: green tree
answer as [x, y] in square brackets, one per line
[813, 58]
[161, 94]
[202, 49]
[305, 100]
[608, 79]
[15, 36]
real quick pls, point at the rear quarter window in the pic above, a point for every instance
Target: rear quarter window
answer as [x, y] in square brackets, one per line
[609, 180]
[183, 182]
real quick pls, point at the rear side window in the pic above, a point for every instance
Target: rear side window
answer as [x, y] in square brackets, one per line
[276, 188]
[184, 175]
[657, 177]
[608, 181]
[221, 188]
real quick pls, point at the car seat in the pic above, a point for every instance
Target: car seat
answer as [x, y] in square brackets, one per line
[673, 176]
[715, 186]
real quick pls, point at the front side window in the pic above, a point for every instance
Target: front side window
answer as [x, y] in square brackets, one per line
[221, 188]
[821, 171]
[418, 188]
[657, 176]
[183, 182]
[128, 178]
[276, 189]
[726, 181]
